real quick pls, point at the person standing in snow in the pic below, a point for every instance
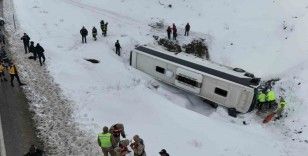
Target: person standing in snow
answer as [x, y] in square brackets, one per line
[261, 98]
[2, 69]
[281, 107]
[26, 41]
[270, 98]
[105, 141]
[163, 152]
[94, 33]
[116, 130]
[84, 34]
[13, 73]
[138, 146]
[32, 50]
[175, 31]
[187, 29]
[40, 53]
[169, 32]
[104, 29]
[118, 48]
[102, 23]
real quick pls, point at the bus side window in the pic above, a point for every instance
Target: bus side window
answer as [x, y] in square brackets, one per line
[160, 70]
[221, 92]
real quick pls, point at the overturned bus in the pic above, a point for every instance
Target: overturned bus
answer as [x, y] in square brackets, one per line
[217, 84]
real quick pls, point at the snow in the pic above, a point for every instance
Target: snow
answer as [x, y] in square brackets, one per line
[73, 99]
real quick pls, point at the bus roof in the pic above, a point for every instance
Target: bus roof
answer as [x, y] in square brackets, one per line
[202, 65]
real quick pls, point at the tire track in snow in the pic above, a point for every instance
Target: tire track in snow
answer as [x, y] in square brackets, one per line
[105, 12]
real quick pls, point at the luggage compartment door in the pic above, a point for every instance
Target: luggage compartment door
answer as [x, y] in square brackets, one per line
[188, 80]
[244, 101]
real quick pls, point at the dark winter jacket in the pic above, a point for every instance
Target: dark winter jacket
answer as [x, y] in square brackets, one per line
[104, 27]
[39, 50]
[94, 31]
[25, 39]
[84, 32]
[117, 45]
[169, 30]
[32, 48]
[174, 29]
[187, 27]
[102, 22]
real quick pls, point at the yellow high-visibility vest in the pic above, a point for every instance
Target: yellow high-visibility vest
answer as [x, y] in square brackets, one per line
[12, 70]
[270, 96]
[261, 97]
[282, 105]
[105, 140]
[1, 68]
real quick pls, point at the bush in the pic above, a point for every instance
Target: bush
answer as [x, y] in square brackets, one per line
[171, 46]
[198, 48]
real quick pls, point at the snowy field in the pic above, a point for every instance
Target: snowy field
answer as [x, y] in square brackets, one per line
[267, 38]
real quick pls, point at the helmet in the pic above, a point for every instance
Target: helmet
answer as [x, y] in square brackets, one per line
[105, 129]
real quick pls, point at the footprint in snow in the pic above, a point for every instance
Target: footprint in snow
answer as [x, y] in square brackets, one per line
[195, 143]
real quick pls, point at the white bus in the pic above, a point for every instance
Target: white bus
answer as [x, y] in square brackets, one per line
[217, 84]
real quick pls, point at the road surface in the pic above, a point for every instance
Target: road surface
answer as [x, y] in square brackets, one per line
[17, 124]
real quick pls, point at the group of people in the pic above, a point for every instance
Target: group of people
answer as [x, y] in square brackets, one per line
[111, 143]
[174, 31]
[37, 51]
[7, 65]
[104, 26]
[84, 31]
[266, 99]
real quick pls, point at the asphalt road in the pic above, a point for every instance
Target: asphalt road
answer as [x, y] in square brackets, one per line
[17, 124]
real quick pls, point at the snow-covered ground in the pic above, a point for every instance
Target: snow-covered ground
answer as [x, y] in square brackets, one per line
[267, 38]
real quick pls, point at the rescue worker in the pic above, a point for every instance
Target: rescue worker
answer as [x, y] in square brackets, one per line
[122, 150]
[187, 29]
[174, 31]
[26, 41]
[104, 29]
[94, 33]
[32, 50]
[118, 47]
[84, 34]
[163, 152]
[261, 100]
[105, 141]
[13, 73]
[116, 130]
[33, 151]
[40, 53]
[102, 25]
[281, 106]
[270, 98]
[169, 32]
[138, 146]
[2, 69]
